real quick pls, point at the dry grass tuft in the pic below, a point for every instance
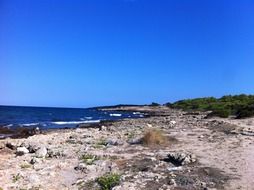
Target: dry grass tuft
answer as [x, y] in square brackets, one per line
[154, 137]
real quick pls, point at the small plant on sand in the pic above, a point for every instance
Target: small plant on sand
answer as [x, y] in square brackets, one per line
[100, 144]
[154, 137]
[25, 166]
[108, 181]
[89, 159]
[131, 135]
[16, 177]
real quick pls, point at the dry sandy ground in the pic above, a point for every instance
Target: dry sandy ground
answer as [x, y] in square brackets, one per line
[223, 147]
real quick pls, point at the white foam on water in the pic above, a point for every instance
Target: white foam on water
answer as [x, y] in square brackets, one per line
[74, 122]
[29, 124]
[8, 126]
[115, 115]
[136, 113]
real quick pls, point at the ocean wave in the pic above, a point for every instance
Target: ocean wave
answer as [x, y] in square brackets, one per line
[74, 122]
[115, 115]
[8, 126]
[29, 124]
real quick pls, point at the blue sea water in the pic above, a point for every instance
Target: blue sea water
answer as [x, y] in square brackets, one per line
[55, 118]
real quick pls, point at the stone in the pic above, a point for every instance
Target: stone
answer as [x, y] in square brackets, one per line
[81, 167]
[135, 141]
[103, 128]
[172, 182]
[32, 178]
[172, 123]
[181, 158]
[125, 185]
[11, 145]
[32, 146]
[114, 142]
[41, 152]
[34, 161]
[21, 151]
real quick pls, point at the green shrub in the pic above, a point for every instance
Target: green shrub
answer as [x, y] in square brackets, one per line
[240, 105]
[154, 104]
[108, 181]
[245, 112]
[224, 113]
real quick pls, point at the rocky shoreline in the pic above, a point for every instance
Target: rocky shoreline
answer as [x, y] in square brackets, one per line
[189, 152]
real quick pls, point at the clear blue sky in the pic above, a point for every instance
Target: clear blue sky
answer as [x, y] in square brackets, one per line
[84, 53]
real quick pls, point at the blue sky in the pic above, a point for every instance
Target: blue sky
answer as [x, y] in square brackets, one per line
[85, 53]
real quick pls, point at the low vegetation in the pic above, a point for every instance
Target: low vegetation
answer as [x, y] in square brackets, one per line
[241, 106]
[16, 177]
[25, 166]
[108, 181]
[154, 137]
[154, 104]
[89, 159]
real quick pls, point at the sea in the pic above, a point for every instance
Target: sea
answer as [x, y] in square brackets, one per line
[13, 117]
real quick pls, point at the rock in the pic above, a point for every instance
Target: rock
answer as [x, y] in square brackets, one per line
[181, 158]
[2, 145]
[149, 125]
[135, 141]
[125, 185]
[175, 169]
[172, 123]
[34, 160]
[41, 152]
[32, 178]
[103, 128]
[56, 153]
[11, 145]
[172, 182]
[32, 146]
[101, 167]
[81, 167]
[114, 142]
[21, 151]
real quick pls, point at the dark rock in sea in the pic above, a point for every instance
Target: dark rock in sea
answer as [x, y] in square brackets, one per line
[19, 132]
